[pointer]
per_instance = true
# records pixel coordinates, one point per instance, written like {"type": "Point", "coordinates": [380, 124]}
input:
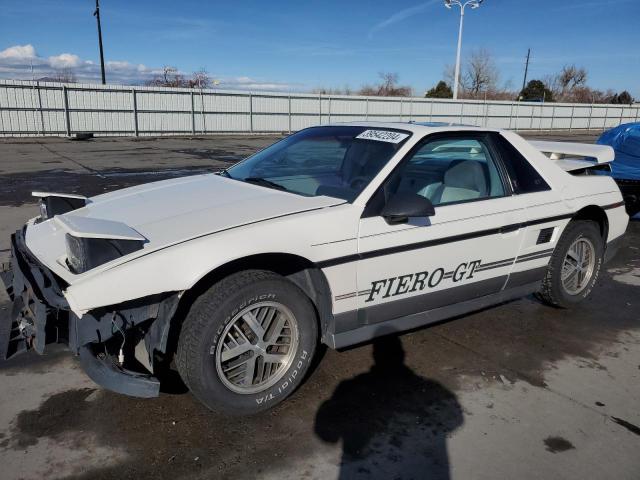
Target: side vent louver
{"type": "Point", "coordinates": [545, 235]}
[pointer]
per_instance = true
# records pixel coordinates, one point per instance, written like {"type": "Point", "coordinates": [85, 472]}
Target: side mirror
{"type": "Point", "coordinates": [403, 206]}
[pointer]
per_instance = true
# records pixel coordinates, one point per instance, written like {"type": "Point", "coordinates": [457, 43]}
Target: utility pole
{"type": "Point", "coordinates": [97, 15]}
{"type": "Point", "coordinates": [526, 69]}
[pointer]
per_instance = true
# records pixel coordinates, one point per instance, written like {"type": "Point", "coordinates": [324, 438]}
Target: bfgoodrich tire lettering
{"type": "Point", "coordinates": [555, 289]}
{"type": "Point", "coordinates": [205, 334]}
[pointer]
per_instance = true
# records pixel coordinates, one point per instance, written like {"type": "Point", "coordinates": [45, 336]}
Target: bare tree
{"type": "Point", "coordinates": [200, 79]}
{"type": "Point", "coordinates": [570, 78]}
{"type": "Point", "coordinates": [332, 91]}
{"type": "Point", "coordinates": [63, 75]}
{"type": "Point", "coordinates": [170, 77]}
{"type": "Point", "coordinates": [481, 74]}
{"type": "Point", "coordinates": [388, 87]}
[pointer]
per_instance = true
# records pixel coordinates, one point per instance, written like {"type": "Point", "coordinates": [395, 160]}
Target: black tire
{"type": "Point", "coordinates": [553, 291]}
{"type": "Point", "coordinates": [205, 324]}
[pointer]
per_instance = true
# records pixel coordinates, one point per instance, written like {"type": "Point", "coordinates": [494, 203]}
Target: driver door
{"type": "Point", "coordinates": [464, 251]}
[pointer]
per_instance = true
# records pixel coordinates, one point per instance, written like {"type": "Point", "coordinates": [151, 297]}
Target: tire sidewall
{"type": "Point", "coordinates": [591, 232]}
{"type": "Point", "coordinates": [211, 390]}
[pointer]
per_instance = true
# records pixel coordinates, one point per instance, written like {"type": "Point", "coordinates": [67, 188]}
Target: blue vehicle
{"type": "Point", "coordinates": [625, 169]}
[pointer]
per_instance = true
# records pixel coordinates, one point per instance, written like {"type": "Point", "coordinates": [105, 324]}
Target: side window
{"type": "Point", "coordinates": [524, 178]}
{"type": "Point", "coordinates": [449, 171]}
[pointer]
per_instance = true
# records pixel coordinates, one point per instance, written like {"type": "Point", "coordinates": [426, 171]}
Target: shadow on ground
{"type": "Point", "coordinates": [392, 423]}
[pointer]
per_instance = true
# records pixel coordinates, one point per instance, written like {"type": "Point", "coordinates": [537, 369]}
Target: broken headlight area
{"type": "Point", "coordinates": [83, 254]}
{"type": "Point", "coordinates": [52, 205]}
{"type": "Point", "coordinates": [122, 347]}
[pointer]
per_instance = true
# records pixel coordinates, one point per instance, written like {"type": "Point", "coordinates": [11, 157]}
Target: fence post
{"type": "Point", "coordinates": [590, 115]}
{"type": "Point", "coordinates": [67, 121]}
{"type": "Point", "coordinates": [531, 122]}
{"type": "Point", "coordinates": [571, 118]}
{"type": "Point", "coordinates": [204, 122]}
{"type": "Point", "coordinates": [606, 113]}
{"type": "Point", "coordinates": [431, 111]}
{"type": "Point", "coordinates": [637, 110]}
{"type": "Point", "coordinates": [486, 109]}
{"type": "Point", "coordinates": [40, 108]}
{"type": "Point", "coordinates": [193, 114]}
{"type": "Point", "coordinates": [250, 112]}
{"type": "Point", "coordinates": [366, 114]}
{"type": "Point", "coordinates": [553, 115]}
{"type": "Point", "coordinates": [320, 109]}
{"type": "Point", "coordinates": [511, 115]}
{"type": "Point", "coordinates": [411, 111]}
{"type": "Point", "coordinates": [621, 114]}
{"type": "Point", "coordinates": [401, 108]}
{"type": "Point", "coordinates": [134, 104]}
{"type": "Point", "coordinates": [289, 113]}
{"type": "Point", "coordinates": [461, 110]}
{"type": "Point", "coordinates": [329, 112]}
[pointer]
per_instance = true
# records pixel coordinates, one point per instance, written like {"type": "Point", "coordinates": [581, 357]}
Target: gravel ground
{"type": "Point", "coordinates": [517, 391]}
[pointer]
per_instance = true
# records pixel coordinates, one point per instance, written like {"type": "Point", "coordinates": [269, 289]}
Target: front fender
{"type": "Point", "coordinates": [179, 267]}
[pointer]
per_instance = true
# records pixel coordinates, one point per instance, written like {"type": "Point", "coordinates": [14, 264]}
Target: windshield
{"type": "Point", "coordinates": [337, 161]}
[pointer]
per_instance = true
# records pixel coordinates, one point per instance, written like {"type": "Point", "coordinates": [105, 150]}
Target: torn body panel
{"type": "Point", "coordinates": [41, 315]}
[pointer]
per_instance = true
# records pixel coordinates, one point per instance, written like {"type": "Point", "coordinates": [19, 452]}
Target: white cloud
{"type": "Point", "coordinates": [248, 83]}
{"type": "Point", "coordinates": [402, 15]}
{"type": "Point", "coordinates": [23, 62]}
{"type": "Point", "coordinates": [18, 52]}
{"type": "Point", "coordinates": [64, 60]}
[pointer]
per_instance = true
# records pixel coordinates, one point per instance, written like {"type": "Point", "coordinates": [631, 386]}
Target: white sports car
{"type": "Point", "coordinates": [336, 234]}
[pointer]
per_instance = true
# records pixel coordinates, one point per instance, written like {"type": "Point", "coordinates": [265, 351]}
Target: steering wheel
{"type": "Point", "coordinates": [357, 183]}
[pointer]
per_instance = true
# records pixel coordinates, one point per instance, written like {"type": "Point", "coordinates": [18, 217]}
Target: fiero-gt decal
{"type": "Point", "coordinates": [425, 280]}
{"type": "Point", "coordinates": [416, 282]}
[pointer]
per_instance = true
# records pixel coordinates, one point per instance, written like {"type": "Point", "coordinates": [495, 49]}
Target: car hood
{"type": "Point", "coordinates": [173, 211]}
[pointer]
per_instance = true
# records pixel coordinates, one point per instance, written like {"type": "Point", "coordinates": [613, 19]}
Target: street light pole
{"type": "Point", "coordinates": [97, 15]}
{"type": "Point", "coordinates": [473, 4]}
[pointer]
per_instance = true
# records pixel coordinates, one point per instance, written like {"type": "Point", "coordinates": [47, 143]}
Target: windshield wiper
{"type": "Point", "coordinates": [224, 173]}
{"type": "Point", "coordinates": [265, 183]}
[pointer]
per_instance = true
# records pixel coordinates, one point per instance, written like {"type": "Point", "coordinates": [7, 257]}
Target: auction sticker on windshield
{"type": "Point", "coordinates": [383, 136]}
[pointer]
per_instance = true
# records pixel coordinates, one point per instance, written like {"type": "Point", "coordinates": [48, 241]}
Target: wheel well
{"type": "Point", "coordinates": [596, 214]}
{"type": "Point", "coordinates": [299, 270]}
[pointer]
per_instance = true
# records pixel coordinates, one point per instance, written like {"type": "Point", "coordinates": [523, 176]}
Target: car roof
{"type": "Point", "coordinates": [419, 128]}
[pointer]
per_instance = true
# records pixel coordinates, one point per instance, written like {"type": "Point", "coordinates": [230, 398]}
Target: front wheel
{"type": "Point", "coordinates": [247, 342]}
{"type": "Point", "coordinates": [575, 264]}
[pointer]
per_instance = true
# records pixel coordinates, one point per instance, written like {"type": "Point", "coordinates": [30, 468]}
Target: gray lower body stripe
{"type": "Point", "coordinates": [533, 257]}
{"type": "Point", "coordinates": [534, 254]}
{"type": "Point", "coordinates": [345, 296]}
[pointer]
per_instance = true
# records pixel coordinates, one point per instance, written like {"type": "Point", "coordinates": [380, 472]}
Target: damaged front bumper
{"type": "Point", "coordinates": [137, 330]}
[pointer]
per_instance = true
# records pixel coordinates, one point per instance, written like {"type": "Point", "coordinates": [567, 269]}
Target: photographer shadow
{"type": "Point", "coordinates": [392, 422]}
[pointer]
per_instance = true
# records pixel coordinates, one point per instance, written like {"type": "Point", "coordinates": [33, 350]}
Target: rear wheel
{"type": "Point", "coordinates": [575, 264]}
{"type": "Point", "coordinates": [247, 342]}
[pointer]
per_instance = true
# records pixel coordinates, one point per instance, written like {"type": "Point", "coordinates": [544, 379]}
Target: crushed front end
{"type": "Point", "coordinates": [119, 346]}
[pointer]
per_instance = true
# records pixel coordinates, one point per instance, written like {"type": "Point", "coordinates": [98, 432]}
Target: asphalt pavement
{"type": "Point", "coordinates": [521, 390]}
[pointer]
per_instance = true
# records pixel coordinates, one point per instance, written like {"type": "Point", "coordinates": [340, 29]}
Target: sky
{"type": "Point", "coordinates": [303, 45]}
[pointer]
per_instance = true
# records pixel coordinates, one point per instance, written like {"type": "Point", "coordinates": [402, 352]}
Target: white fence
{"type": "Point", "coordinates": [32, 108]}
